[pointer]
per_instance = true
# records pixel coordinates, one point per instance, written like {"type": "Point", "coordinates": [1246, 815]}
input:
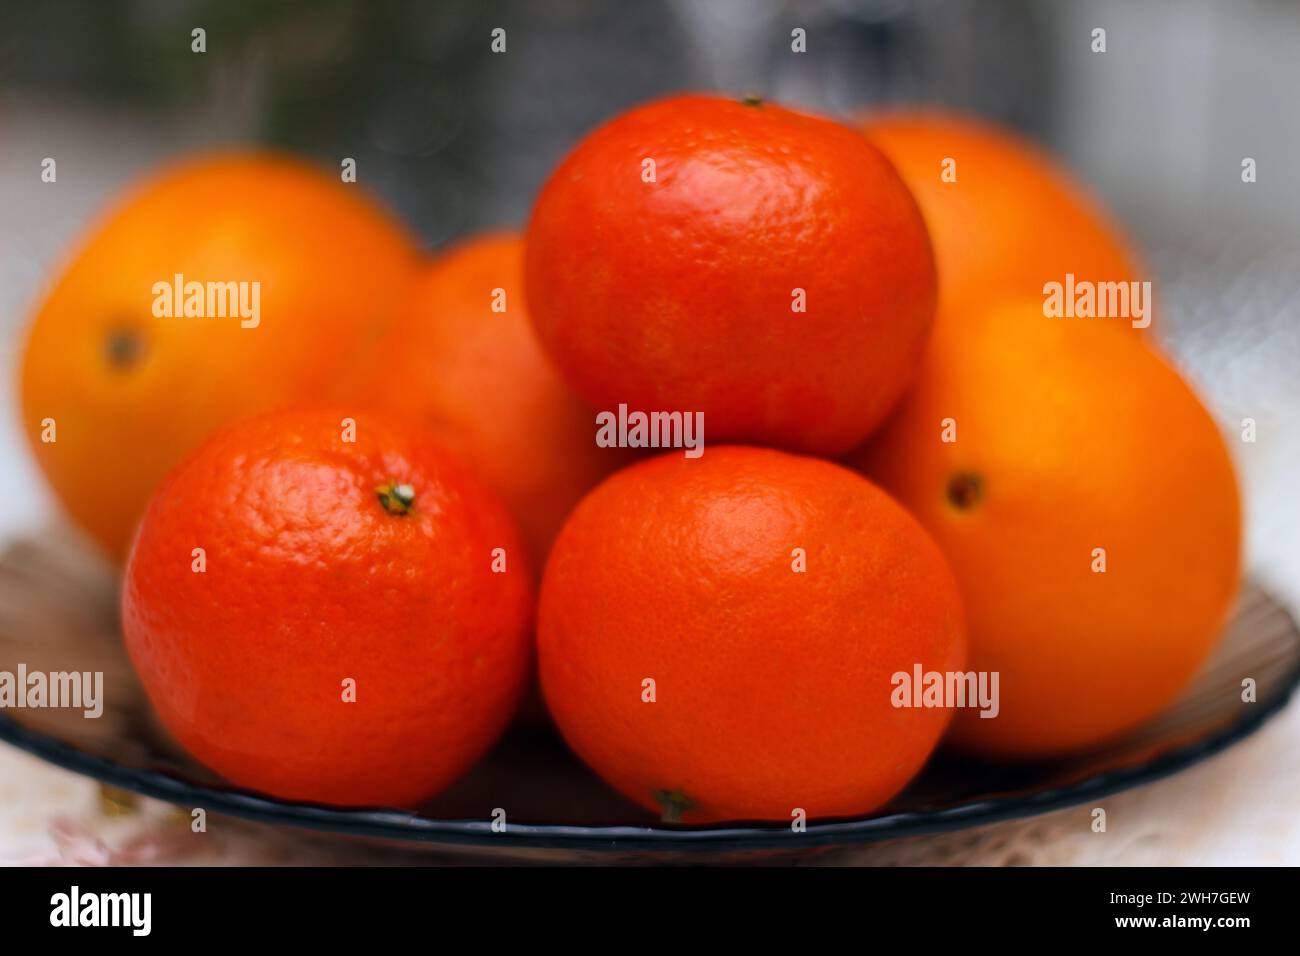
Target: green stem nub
{"type": "Point", "coordinates": [396, 499]}
{"type": "Point", "coordinates": [751, 99]}
{"type": "Point", "coordinates": [674, 804]}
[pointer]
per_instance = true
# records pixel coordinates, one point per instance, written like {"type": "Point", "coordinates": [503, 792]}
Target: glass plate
{"type": "Point", "coordinates": [58, 612]}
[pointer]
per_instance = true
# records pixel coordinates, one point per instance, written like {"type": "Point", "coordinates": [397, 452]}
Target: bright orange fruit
{"type": "Point", "coordinates": [329, 565]}
{"type": "Point", "coordinates": [1011, 221]}
{"type": "Point", "coordinates": [462, 357]}
{"type": "Point", "coordinates": [718, 637]}
{"type": "Point", "coordinates": [1089, 509]}
{"type": "Point", "coordinates": [125, 392]}
{"type": "Point", "coordinates": [767, 268]}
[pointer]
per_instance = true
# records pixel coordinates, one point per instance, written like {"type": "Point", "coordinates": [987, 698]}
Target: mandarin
{"type": "Point", "coordinates": [349, 632]}
{"type": "Point", "coordinates": [125, 392]}
{"type": "Point", "coordinates": [718, 637]}
{"type": "Point", "coordinates": [1089, 509]}
{"type": "Point", "coordinates": [462, 357]}
{"type": "Point", "coordinates": [1010, 221]}
{"type": "Point", "coordinates": [765, 267]}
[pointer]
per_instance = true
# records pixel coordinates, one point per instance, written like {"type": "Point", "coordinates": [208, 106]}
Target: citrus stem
{"type": "Point", "coordinates": [396, 498]}
{"type": "Point", "coordinates": [674, 804]}
{"type": "Point", "coordinates": [123, 347]}
{"type": "Point", "coordinates": [965, 489]}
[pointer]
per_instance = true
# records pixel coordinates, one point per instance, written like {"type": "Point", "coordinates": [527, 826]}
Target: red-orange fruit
{"type": "Point", "coordinates": [462, 358]}
{"type": "Point", "coordinates": [329, 620]}
{"type": "Point", "coordinates": [719, 638]}
{"type": "Point", "coordinates": [765, 267]}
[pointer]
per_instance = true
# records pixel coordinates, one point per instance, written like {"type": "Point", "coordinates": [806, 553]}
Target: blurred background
{"type": "Point", "coordinates": [457, 138]}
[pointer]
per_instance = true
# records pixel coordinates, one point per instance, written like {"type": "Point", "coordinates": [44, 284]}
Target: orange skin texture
{"type": "Point", "coordinates": [480, 379]}
{"type": "Point", "coordinates": [1080, 441]}
{"type": "Point", "coordinates": [677, 295]}
{"type": "Point", "coordinates": [772, 687]}
{"type": "Point", "coordinates": [1013, 220]}
{"type": "Point", "coordinates": [309, 581]}
{"type": "Point", "coordinates": [332, 268]}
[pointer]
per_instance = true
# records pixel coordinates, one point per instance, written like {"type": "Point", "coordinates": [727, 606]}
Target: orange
{"type": "Point", "coordinates": [462, 357]}
{"type": "Point", "coordinates": [1089, 510]}
{"type": "Point", "coordinates": [764, 267]}
{"type": "Point", "coordinates": [329, 566]}
{"type": "Point", "coordinates": [125, 392]}
{"type": "Point", "coordinates": [1011, 221]}
{"type": "Point", "coordinates": [718, 637]}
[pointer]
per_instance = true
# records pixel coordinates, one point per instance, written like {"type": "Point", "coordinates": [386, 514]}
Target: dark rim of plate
{"type": "Point", "coordinates": [388, 824]}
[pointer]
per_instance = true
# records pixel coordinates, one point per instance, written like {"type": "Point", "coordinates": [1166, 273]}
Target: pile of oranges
{"type": "Point", "coordinates": [359, 527]}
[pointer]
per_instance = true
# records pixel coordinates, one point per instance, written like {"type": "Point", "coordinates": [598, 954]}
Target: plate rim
{"type": "Point", "coordinates": [405, 826]}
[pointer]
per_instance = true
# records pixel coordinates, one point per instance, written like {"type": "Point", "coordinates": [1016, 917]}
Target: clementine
{"type": "Point", "coordinates": [328, 619]}
{"type": "Point", "coordinates": [462, 357]}
{"type": "Point", "coordinates": [223, 286]}
{"type": "Point", "coordinates": [1005, 218]}
{"type": "Point", "coordinates": [718, 638]}
{"type": "Point", "coordinates": [764, 267]}
{"type": "Point", "coordinates": [1089, 509]}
